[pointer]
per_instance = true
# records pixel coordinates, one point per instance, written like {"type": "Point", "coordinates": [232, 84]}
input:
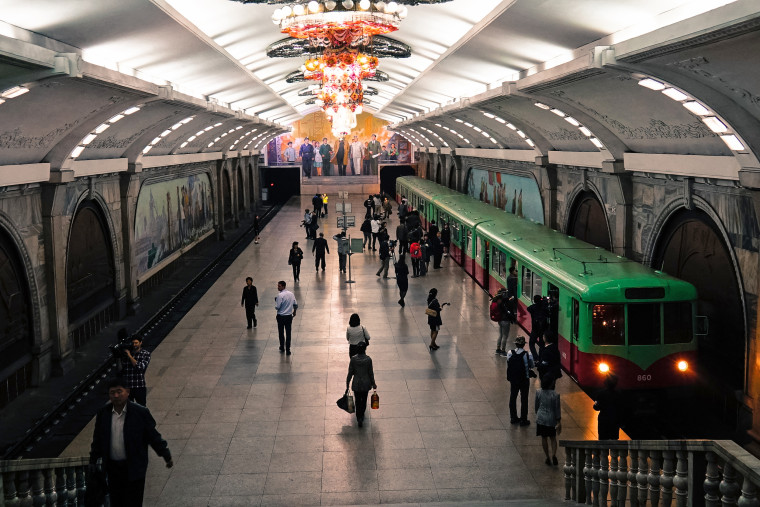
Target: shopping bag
{"type": "Point", "coordinates": [346, 402]}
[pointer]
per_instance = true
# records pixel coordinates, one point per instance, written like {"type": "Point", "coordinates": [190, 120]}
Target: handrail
{"type": "Point", "coordinates": [45, 481]}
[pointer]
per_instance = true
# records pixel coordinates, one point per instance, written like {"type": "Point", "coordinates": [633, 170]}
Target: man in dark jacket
{"type": "Point", "coordinates": [368, 205]}
{"type": "Point", "coordinates": [320, 247]}
{"type": "Point", "coordinates": [402, 236]}
{"type": "Point", "coordinates": [250, 301]}
{"type": "Point", "coordinates": [436, 249]}
{"type": "Point", "coordinates": [316, 203]}
{"type": "Point", "coordinates": [385, 258]}
{"type": "Point", "coordinates": [123, 432]}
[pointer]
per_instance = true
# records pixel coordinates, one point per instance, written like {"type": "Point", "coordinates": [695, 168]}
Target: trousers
{"type": "Point", "coordinates": [501, 343]}
{"type": "Point", "coordinates": [284, 325]}
{"type": "Point", "coordinates": [522, 387]}
{"type": "Point", "coordinates": [250, 315]}
{"type": "Point", "coordinates": [317, 259]}
{"type": "Point", "coordinates": [125, 493]}
{"type": "Point", "coordinates": [384, 267]}
{"type": "Point", "coordinates": [360, 401]}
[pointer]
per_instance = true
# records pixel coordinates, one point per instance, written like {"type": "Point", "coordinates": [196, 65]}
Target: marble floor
{"type": "Point", "coordinates": [248, 425]}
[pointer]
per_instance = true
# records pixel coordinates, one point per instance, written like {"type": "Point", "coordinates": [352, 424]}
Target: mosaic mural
{"type": "Point", "coordinates": [171, 215]}
{"type": "Point", "coordinates": [515, 194]}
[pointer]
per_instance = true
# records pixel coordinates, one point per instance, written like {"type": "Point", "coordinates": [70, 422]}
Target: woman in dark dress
{"type": "Point", "coordinates": [360, 369]}
{"type": "Point", "coordinates": [294, 259]}
{"type": "Point", "coordinates": [609, 406]}
{"type": "Point", "coordinates": [402, 278]}
{"type": "Point", "coordinates": [435, 323]}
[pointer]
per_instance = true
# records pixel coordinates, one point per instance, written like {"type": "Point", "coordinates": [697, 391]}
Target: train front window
{"type": "Point", "coordinates": [644, 324]}
{"type": "Point", "coordinates": [608, 325]}
{"type": "Point", "coordinates": [678, 328]}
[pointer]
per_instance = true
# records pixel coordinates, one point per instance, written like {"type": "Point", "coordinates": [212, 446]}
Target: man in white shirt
{"type": "Point", "coordinates": [286, 305]}
{"type": "Point", "coordinates": [356, 152]}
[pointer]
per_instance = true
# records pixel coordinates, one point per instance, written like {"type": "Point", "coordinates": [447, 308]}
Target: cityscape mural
{"type": "Point", "coordinates": [171, 215]}
{"type": "Point", "coordinates": [514, 194]}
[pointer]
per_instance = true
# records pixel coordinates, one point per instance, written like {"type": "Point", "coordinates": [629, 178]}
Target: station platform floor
{"type": "Point", "coordinates": [248, 425]}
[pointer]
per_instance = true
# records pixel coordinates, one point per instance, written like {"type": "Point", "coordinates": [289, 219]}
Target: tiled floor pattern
{"type": "Point", "coordinates": [248, 425]}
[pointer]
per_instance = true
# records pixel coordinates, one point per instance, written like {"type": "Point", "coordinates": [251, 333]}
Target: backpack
{"type": "Point", "coordinates": [516, 367]}
{"type": "Point", "coordinates": [495, 310]}
{"type": "Point", "coordinates": [415, 251]}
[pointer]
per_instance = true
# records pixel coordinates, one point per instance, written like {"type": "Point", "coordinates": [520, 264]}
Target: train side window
{"type": "Point", "coordinates": [499, 262]}
{"type": "Point", "coordinates": [576, 317]}
{"type": "Point", "coordinates": [678, 323]}
{"type": "Point", "coordinates": [479, 247]}
{"type": "Point", "coordinates": [537, 284]}
{"type": "Point", "coordinates": [527, 283]}
{"type": "Point", "coordinates": [644, 324]}
{"type": "Point", "coordinates": [608, 325]}
{"type": "Point", "coordinates": [467, 243]}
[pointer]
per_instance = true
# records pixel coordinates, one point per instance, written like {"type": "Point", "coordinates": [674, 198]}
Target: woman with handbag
{"type": "Point", "coordinates": [433, 312]}
{"type": "Point", "coordinates": [295, 256]}
{"type": "Point", "coordinates": [360, 369]}
{"type": "Point", "coordinates": [356, 335]}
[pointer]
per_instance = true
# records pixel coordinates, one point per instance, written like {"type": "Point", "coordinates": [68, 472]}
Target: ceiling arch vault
{"type": "Point", "coordinates": [631, 85]}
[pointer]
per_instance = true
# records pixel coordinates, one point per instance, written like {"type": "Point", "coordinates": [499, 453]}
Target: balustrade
{"type": "Point", "coordinates": [655, 473]}
{"type": "Point", "coordinates": [43, 482]}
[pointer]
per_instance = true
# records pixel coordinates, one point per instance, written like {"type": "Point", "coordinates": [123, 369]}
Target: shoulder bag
{"type": "Point", "coordinates": [431, 312]}
{"type": "Point", "coordinates": [366, 340]}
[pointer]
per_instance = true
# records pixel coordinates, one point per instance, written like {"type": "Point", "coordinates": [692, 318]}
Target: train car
{"type": "Point", "coordinates": [611, 314]}
{"type": "Point", "coordinates": [420, 196]}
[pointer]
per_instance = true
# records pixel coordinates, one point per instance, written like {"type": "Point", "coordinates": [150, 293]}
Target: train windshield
{"type": "Point", "coordinates": [644, 324]}
{"type": "Point", "coordinates": [608, 325]}
{"type": "Point", "coordinates": [678, 322]}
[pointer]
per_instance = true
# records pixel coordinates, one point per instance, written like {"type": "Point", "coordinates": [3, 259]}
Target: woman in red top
{"type": "Point", "coordinates": [415, 252]}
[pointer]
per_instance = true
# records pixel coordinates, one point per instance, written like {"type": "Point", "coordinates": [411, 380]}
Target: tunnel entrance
{"type": "Point", "coordinates": [90, 284]}
{"type": "Point", "coordinates": [388, 175]}
{"type": "Point", "coordinates": [692, 249]}
{"type": "Point", "coordinates": [15, 324]}
{"type": "Point", "coordinates": [588, 221]}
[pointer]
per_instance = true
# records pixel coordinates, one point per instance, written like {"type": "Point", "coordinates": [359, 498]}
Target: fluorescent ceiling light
{"type": "Point", "coordinates": [715, 124]}
{"type": "Point", "coordinates": [77, 151]}
{"type": "Point", "coordinates": [131, 110]}
{"type": "Point", "coordinates": [176, 126]}
{"type": "Point", "coordinates": [558, 113]}
{"type": "Point", "coordinates": [147, 149]}
{"type": "Point", "coordinates": [509, 125]}
{"type": "Point", "coordinates": [531, 143]}
{"type": "Point", "coordinates": [116, 118]}
{"type": "Point", "coordinates": [572, 121]}
{"type": "Point", "coordinates": [90, 138]}
{"type": "Point", "coordinates": [696, 108]}
{"type": "Point", "coordinates": [652, 84]}
{"type": "Point", "coordinates": [12, 93]}
{"type": "Point", "coordinates": [586, 132]}
{"type": "Point", "coordinates": [155, 140]}
{"type": "Point", "coordinates": [183, 144]}
{"type": "Point", "coordinates": [2, 101]}
{"type": "Point", "coordinates": [217, 124]}
{"type": "Point", "coordinates": [596, 142]}
{"type": "Point", "coordinates": [542, 106]}
{"type": "Point", "coordinates": [733, 142]}
{"type": "Point", "coordinates": [521, 134]}
{"type": "Point", "coordinates": [102, 127]}
{"type": "Point", "coordinates": [458, 120]}
{"type": "Point", "coordinates": [500, 120]}
{"type": "Point", "coordinates": [489, 115]}
{"type": "Point", "coordinates": [191, 138]}
{"type": "Point", "coordinates": [166, 133]}
{"type": "Point", "coordinates": [675, 94]}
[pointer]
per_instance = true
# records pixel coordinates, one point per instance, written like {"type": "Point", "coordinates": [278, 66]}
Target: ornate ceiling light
{"type": "Point", "coordinates": [381, 47]}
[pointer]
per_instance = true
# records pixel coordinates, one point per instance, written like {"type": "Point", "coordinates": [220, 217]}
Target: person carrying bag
{"type": "Point", "coordinates": [356, 335]}
{"type": "Point", "coordinates": [360, 370]}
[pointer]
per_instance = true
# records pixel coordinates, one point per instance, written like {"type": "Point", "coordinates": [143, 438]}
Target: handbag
{"type": "Point", "coordinates": [366, 340]}
{"type": "Point", "coordinates": [346, 402]}
{"type": "Point", "coordinates": [431, 312]}
{"type": "Point", "coordinates": [375, 401]}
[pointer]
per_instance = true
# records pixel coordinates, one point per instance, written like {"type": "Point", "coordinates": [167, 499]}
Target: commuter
{"type": "Point", "coordinates": [382, 234]}
{"type": "Point", "coordinates": [316, 203]}
{"type": "Point", "coordinates": [375, 227]}
{"type": "Point", "coordinates": [306, 223]}
{"type": "Point", "coordinates": [377, 207]}
{"type": "Point", "coordinates": [387, 208]}
{"type": "Point", "coordinates": [436, 249]}
{"type": "Point", "coordinates": [286, 305]}
{"type": "Point", "coordinates": [326, 152]}
{"type": "Point", "coordinates": [426, 252]}
{"type": "Point", "coordinates": [320, 247]}
{"type": "Point", "coordinates": [434, 321]}
{"type": "Point", "coordinates": [360, 369]}
{"type": "Point", "coordinates": [415, 251]}
{"type": "Point", "coordinates": [446, 239]}
{"type": "Point", "coordinates": [356, 335]}
{"type": "Point", "coordinates": [306, 152]}
{"type": "Point", "coordinates": [250, 301]}
{"type": "Point", "coordinates": [366, 229]}
{"type": "Point", "coordinates": [317, 159]}
{"type": "Point", "coordinates": [552, 315]}
{"type": "Point", "coordinates": [504, 320]}
{"type": "Point", "coordinates": [324, 205]}
{"type": "Point", "coordinates": [385, 258]}
{"type": "Point", "coordinates": [608, 403]}
{"type": "Point", "coordinates": [123, 432]}
{"type": "Point", "coordinates": [403, 208]}
{"type": "Point", "coordinates": [537, 313]}
{"type": "Point", "coordinates": [549, 360]}
{"type": "Point", "coordinates": [432, 229]}
{"type": "Point", "coordinates": [314, 225]}
{"type": "Point", "coordinates": [341, 156]}
{"type": "Point", "coordinates": [134, 362]}
{"type": "Point", "coordinates": [343, 248]}
{"type": "Point", "coordinates": [402, 236]}
{"type": "Point", "coordinates": [368, 205]}
{"type": "Point", "coordinates": [256, 229]}
{"type": "Point", "coordinates": [519, 372]}
{"type": "Point", "coordinates": [290, 153]}
{"type": "Point", "coordinates": [512, 292]}
{"type": "Point", "coordinates": [402, 278]}
{"type": "Point", "coordinates": [295, 256]}
{"type": "Point", "coordinates": [548, 418]}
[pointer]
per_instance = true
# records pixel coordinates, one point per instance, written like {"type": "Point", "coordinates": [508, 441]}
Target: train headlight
{"type": "Point", "coordinates": [603, 368]}
{"type": "Point", "coordinates": [682, 366]}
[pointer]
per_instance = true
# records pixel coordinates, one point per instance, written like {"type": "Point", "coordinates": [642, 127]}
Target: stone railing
{"type": "Point", "coordinates": [37, 482]}
{"type": "Point", "coordinates": [657, 472]}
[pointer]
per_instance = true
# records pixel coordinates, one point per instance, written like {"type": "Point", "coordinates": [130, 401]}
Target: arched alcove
{"type": "Point", "coordinates": [588, 221]}
{"type": "Point", "coordinates": [90, 280]}
{"type": "Point", "coordinates": [240, 190]}
{"type": "Point", "coordinates": [251, 193]}
{"type": "Point", "coordinates": [16, 327]}
{"type": "Point", "coordinates": [691, 247]}
{"type": "Point", "coordinates": [453, 177]}
{"type": "Point", "coordinates": [439, 173]}
{"type": "Point", "coordinates": [226, 196]}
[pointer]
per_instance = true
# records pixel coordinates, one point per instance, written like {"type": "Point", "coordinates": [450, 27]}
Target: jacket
{"type": "Point", "coordinates": [139, 432]}
{"type": "Point", "coordinates": [402, 233]}
{"type": "Point", "coordinates": [547, 407]}
{"type": "Point", "coordinates": [356, 335]}
{"type": "Point", "coordinates": [295, 256]}
{"type": "Point", "coordinates": [344, 159]}
{"type": "Point", "coordinates": [320, 245]}
{"type": "Point", "coordinates": [384, 250]}
{"type": "Point", "coordinates": [250, 297]}
{"type": "Point", "coordinates": [435, 321]}
{"type": "Point", "coordinates": [360, 368]}
{"type": "Point", "coordinates": [343, 246]}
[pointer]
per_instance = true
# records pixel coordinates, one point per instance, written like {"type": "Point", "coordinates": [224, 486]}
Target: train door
{"type": "Point", "coordinates": [553, 309]}
{"type": "Point", "coordinates": [486, 264]}
{"type": "Point", "coordinates": [574, 337]}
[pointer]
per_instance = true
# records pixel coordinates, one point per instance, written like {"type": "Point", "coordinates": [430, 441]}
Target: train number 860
{"type": "Point", "coordinates": [643, 378]}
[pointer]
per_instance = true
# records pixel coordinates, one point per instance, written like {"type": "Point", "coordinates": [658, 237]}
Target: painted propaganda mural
{"type": "Point", "coordinates": [170, 215]}
{"type": "Point", "coordinates": [515, 194]}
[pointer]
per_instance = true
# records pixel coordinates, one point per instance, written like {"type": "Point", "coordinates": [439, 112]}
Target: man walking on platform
{"type": "Point", "coordinates": [286, 305]}
{"type": "Point", "coordinates": [123, 432]}
{"type": "Point", "coordinates": [519, 370]}
{"type": "Point", "coordinates": [343, 248]}
{"type": "Point", "coordinates": [320, 247]}
{"type": "Point", "coordinates": [250, 301]}
{"type": "Point", "coordinates": [307, 157]}
{"type": "Point", "coordinates": [134, 363]}
{"type": "Point", "coordinates": [374, 150]}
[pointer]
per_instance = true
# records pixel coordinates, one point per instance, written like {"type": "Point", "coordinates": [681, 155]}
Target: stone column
{"type": "Point", "coordinates": [256, 175]}
{"type": "Point", "coordinates": [220, 164]}
{"type": "Point", "coordinates": [548, 186]}
{"type": "Point", "coordinates": [129, 187]}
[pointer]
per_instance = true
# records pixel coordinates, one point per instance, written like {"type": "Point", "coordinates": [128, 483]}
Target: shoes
{"type": "Point", "coordinates": [323, 269]}
{"type": "Point", "coordinates": [254, 323]}
{"type": "Point", "coordinates": [361, 423]}
{"type": "Point", "coordinates": [316, 269]}
{"type": "Point", "coordinates": [514, 421]}
{"type": "Point", "coordinates": [431, 348]}
{"type": "Point", "coordinates": [249, 327]}
{"type": "Point", "coordinates": [548, 461]}
{"type": "Point", "coordinates": [282, 349]}
{"type": "Point", "coordinates": [401, 302]}
{"type": "Point", "coordinates": [524, 422]}
{"type": "Point", "coordinates": [503, 353]}
{"type": "Point", "coordinates": [288, 353]}
{"type": "Point", "coordinates": [386, 277]}
{"type": "Point", "coordinates": [498, 352]}
{"type": "Point", "coordinates": [378, 274]}
{"type": "Point", "coordinates": [554, 461]}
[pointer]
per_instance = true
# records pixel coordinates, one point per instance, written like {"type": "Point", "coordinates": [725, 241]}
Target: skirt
{"type": "Point", "coordinates": [545, 431]}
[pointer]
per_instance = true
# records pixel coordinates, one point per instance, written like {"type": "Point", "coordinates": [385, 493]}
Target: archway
{"type": "Point", "coordinates": [251, 192]}
{"type": "Point", "coordinates": [427, 168]}
{"type": "Point", "coordinates": [16, 331]}
{"type": "Point", "coordinates": [691, 247]}
{"type": "Point", "coordinates": [226, 196]}
{"type": "Point", "coordinates": [588, 221]}
{"type": "Point", "coordinates": [439, 173]}
{"type": "Point", "coordinates": [453, 177]}
{"type": "Point", "coordinates": [241, 190]}
{"type": "Point", "coordinates": [90, 281]}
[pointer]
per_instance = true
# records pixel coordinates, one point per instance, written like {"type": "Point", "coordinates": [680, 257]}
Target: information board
{"type": "Point", "coordinates": [343, 194]}
{"type": "Point", "coordinates": [342, 207]}
{"type": "Point", "coordinates": [347, 221]}
{"type": "Point", "coordinates": [357, 245]}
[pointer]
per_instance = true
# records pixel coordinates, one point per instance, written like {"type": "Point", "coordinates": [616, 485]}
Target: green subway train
{"type": "Point", "coordinates": [614, 315]}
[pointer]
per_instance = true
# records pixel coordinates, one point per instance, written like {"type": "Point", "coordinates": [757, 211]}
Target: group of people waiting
{"type": "Point", "coordinates": [318, 158]}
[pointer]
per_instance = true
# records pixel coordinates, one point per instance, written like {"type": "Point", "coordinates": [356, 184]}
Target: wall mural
{"type": "Point", "coordinates": [515, 194]}
{"type": "Point", "coordinates": [170, 215]}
